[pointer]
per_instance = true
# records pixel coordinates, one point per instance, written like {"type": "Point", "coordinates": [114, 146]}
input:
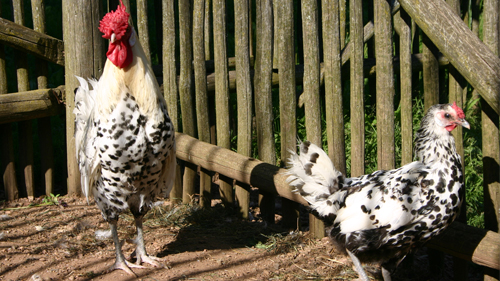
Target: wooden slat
{"type": "Point", "coordinates": [142, 27]}
{"type": "Point", "coordinates": [170, 83]}
{"type": "Point", "coordinates": [30, 41]}
{"type": "Point", "coordinates": [430, 72]}
{"type": "Point", "coordinates": [311, 86]}
{"type": "Point", "coordinates": [185, 92]}
{"type": "Point", "coordinates": [200, 78]}
{"type": "Point", "coordinates": [406, 75]}
{"type": "Point", "coordinates": [357, 84]}
{"type": "Point", "coordinates": [460, 45]}
{"type": "Point", "coordinates": [222, 90]}
{"type": "Point", "coordinates": [263, 96]}
{"type": "Point", "coordinates": [82, 59]}
{"type": "Point", "coordinates": [384, 85]}
{"type": "Point", "coordinates": [209, 42]}
{"type": "Point", "coordinates": [243, 94]}
{"type": "Point", "coordinates": [287, 95]}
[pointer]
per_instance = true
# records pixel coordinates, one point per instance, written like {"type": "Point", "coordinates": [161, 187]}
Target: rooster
{"type": "Point", "coordinates": [124, 137]}
{"type": "Point", "coordinates": [382, 216]}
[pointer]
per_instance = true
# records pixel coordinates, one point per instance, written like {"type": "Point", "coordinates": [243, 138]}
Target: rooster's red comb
{"type": "Point", "coordinates": [115, 22]}
{"type": "Point", "coordinates": [458, 110]}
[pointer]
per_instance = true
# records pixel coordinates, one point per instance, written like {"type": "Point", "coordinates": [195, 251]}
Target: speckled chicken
{"type": "Point", "coordinates": [382, 216]}
{"type": "Point", "coordinates": [124, 137]}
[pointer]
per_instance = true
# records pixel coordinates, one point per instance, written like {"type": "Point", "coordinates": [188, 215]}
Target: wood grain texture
{"type": "Point", "coordinates": [471, 57]}
{"type": "Point", "coordinates": [384, 85]}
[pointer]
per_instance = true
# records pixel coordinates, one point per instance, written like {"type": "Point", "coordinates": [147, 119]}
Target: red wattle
{"type": "Point", "coordinates": [451, 127]}
{"type": "Point", "coordinates": [120, 53]}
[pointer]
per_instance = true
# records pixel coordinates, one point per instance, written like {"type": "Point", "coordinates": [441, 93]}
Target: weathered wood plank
{"type": "Point", "coordinates": [357, 84]}
{"type": "Point", "coordinates": [142, 27]}
{"type": "Point", "coordinates": [473, 59]}
{"type": "Point", "coordinates": [185, 92]}
{"type": "Point", "coordinates": [406, 75]}
{"type": "Point", "coordinates": [243, 94]}
{"type": "Point", "coordinates": [29, 105]}
{"type": "Point", "coordinates": [82, 59]}
{"type": "Point", "coordinates": [30, 41]}
{"type": "Point", "coordinates": [170, 83]}
{"type": "Point", "coordinates": [200, 80]}
{"type": "Point", "coordinates": [287, 94]}
{"type": "Point", "coordinates": [222, 90]}
{"type": "Point", "coordinates": [384, 85]}
{"type": "Point", "coordinates": [311, 86]}
{"type": "Point", "coordinates": [263, 96]}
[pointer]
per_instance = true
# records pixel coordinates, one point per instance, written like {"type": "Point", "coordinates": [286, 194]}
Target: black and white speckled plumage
{"type": "Point", "coordinates": [383, 215]}
{"type": "Point", "coordinates": [125, 143]}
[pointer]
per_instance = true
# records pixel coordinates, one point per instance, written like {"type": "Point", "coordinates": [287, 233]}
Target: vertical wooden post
{"type": "Point", "coordinates": [287, 96]}
{"type": "Point", "coordinates": [406, 88]}
{"type": "Point", "coordinates": [142, 26]}
{"type": "Point", "coordinates": [357, 84]}
{"type": "Point", "coordinates": [170, 83]}
{"type": "Point", "coordinates": [44, 127]}
{"type": "Point", "coordinates": [264, 97]}
{"type": "Point", "coordinates": [384, 85]}
{"type": "Point", "coordinates": [311, 88]}
{"type": "Point", "coordinates": [334, 109]}
{"type": "Point", "coordinates": [222, 91]}
{"type": "Point", "coordinates": [490, 134]}
{"type": "Point", "coordinates": [430, 73]}
{"type": "Point", "coordinates": [342, 8]}
{"type": "Point", "coordinates": [244, 93]}
{"type": "Point", "coordinates": [208, 31]}
{"type": "Point", "coordinates": [83, 57]}
{"type": "Point", "coordinates": [7, 159]}
{"type": "Point", "coordinates": [25, 127]}
{"type": "Point", "coordinates": [185, 92]}
{"type": "Point", "coordinates": [200, 78]}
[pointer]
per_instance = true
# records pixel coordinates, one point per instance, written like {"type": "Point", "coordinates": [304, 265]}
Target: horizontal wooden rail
{"type": "Point", "coordinates": [466, 242]}
{"type": "Point", "coordinates": [28, 40]}
{"type": "Point", "coordinates": [30, 105]}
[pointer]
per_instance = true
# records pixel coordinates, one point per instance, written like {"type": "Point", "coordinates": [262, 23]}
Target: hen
{"type": "Point", "coordinates": [124, 137]}
{"type": "Point", "coordinates": [382, 216]}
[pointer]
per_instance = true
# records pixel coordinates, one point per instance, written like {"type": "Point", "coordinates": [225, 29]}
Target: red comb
{"type": "Point", "coordinates": [115, 22]}
{"type": "Point", "coordinates": [458, 110]}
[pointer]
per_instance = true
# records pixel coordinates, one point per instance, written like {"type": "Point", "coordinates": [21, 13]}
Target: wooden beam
{"type": "Point", "coordinates": [471, 57]}
{"type": "Point", "coordinates": [466, 242]}
{"type": "Point", "coordinates": [28, 40]}
{"type": "Point", "coordinates": [31, 104]}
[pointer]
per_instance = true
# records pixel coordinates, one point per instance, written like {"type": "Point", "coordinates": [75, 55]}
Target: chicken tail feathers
{"type": "Point", "coordinates": [312, 174]}
{"type": "Point", "coordinates": [85, 132]}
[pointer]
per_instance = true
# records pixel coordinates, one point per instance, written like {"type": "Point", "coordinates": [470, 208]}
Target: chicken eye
{"type": "Point", "coordinates": [447, 115]}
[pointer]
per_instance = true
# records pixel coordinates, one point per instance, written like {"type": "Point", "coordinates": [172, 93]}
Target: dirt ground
{"type": "Point", "coordinates": [39, 241]}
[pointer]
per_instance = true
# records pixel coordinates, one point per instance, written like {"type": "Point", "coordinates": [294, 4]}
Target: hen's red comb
{"type": "Point", "coordinates": [115, 22]}
{"type": "Point", "coordinates": [458, 110]}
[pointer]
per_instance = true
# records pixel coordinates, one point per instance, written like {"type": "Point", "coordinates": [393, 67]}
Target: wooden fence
{"type": "Point", "coordinates": [239, 73]}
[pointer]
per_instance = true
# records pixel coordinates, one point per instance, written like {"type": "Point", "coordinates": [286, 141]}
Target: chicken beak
{"type": "Point", "coordinates": [113, 38]}
{"type": "Point", "coordinates": [464, 123]}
